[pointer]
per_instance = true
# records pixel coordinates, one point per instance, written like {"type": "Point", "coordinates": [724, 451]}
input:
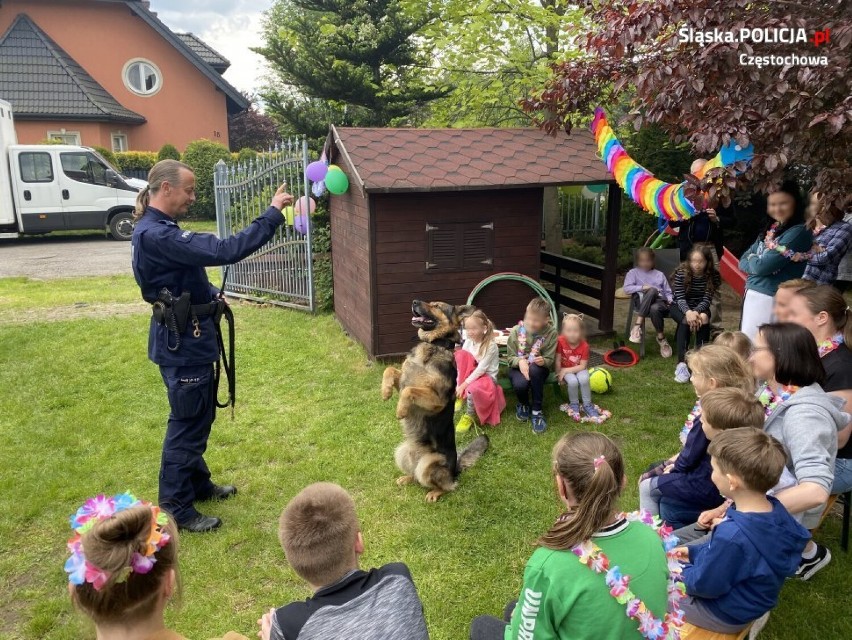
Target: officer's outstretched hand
{"type": "Point", "coordinates": [281, 198]}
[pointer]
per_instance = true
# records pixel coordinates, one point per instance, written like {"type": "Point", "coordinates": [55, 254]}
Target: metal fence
{"type": "Point", "coordinates": [281, 271]}
{"type": "Point", "coordinates": [582, 215]}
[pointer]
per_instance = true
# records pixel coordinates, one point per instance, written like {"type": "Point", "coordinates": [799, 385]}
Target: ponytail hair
{"type": "Point", "coordinates": [110, 545]}
{"type": "Point", "coordinates": [163, 171]}
{"type": "Point", "coordinates": [825, 298]}
{"type": "Point", "coordinates": [488, 337]}
{"type": "Point", "coordinates": [591, 466]}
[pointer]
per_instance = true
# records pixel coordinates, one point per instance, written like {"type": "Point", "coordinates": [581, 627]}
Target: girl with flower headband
{"type": "Point", "coordinates": [767, 263]}
{"type": "Point", "coordinates": [805, 419]}
{"type": "Point", "coordinates": [824, 312]}
{"type": "Point", "coordinates": [123, 568]}
{"type": "Point", "coordinates": [598, 573]}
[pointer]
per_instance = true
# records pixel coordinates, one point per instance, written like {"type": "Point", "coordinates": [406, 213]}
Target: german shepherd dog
{"type": "Point", "coordinates": [427, 393]}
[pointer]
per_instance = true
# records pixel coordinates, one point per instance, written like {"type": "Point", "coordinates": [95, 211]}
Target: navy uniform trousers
{"type": "Point", "coordinates": [164, 256]}
{"type": "Point", "coordinates": [184, 476]}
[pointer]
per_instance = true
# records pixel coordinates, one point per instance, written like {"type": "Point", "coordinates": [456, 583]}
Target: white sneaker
{"type": "Point", "coordinates": [757, 626]}
{"type": "Point", "coordinates": [665, 348]}
{"type": "Point", "coordinates": [636, 334]}
{"type": "Point", "coordinates": [682, 374]}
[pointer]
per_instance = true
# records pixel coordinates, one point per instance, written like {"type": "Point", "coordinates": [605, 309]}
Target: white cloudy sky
{"type": "Point", "coordinates": [229, 26]}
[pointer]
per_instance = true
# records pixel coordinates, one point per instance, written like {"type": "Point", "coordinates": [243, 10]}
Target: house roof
{"type": "Point", "coordinates": [236, 101]}
{"type": "Point", "coordinates": [205, 51]}
{"type": "Point", "coordinates": [396, 160]}
{"type": "Point", "coordinates": [41, 80]}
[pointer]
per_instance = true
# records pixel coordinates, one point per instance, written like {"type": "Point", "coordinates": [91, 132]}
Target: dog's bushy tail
{"type": "Point", "coordinates": [473, 452]}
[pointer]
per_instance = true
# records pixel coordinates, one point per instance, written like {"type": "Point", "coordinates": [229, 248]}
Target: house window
{"type": "Point", "coordinates": [36, 166]}
{"type": "Point", "coordinates": [460, 246]}
{"type": "Point", "coordinates": [119, 142]}
{"type": "Point", "coordinates": [83, 167]}
{"type": "Point", "coordinates": [65, 137]}
{"type": "Point", "coordinates": [142, 77]}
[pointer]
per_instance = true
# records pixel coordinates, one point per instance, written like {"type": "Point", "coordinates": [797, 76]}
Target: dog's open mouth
{"type": "Point", "coordinates": [420, 319]}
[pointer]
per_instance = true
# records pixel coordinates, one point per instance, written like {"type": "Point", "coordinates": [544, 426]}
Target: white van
{"type": "Point", "coordinates": [46, 188]}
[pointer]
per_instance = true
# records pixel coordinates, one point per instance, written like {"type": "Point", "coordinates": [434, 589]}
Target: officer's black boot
{"type": "Point", "coordinates": [200, 524]}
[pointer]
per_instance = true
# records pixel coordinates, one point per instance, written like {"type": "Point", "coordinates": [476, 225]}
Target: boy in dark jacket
{"type": "Point", "coordinates": [322, 541]}
{"type": "Point", "coordinates": [736, 576]}
{"type": "Point", "coordinates": [685, 490]}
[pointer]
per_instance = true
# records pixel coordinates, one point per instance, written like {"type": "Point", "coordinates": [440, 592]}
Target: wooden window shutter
{"type": "Point", "coordinates": [478, 246]}
{"type": "Point", "coordinates": [460, 246]}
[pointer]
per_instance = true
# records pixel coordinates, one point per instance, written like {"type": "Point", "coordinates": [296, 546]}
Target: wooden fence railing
{"type": "Point", "coordinates": [564, 276]}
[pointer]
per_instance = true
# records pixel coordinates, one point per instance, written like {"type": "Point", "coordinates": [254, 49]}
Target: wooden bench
{"type": "Point", "coordinates": [691, 632]}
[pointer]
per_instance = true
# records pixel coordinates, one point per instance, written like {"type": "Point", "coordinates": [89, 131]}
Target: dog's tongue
{"type": "Point", "coordinates": [418, 319]}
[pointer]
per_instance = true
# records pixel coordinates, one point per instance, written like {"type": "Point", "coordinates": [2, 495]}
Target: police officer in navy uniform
{"type": "Point", "coordinates": [169, 266]}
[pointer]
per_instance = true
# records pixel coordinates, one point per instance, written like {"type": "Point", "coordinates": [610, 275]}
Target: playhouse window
{"type": "Point", "coordinates": [460, 246]}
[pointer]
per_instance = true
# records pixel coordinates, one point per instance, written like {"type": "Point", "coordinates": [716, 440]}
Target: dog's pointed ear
{"type": "Point", "coordinates": [464, 310]}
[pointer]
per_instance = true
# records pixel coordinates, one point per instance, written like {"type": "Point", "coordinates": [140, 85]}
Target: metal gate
{"type": "Point", "coordinates": [281, 271]}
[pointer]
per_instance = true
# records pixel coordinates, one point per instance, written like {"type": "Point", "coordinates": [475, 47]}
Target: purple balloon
{"type": "Point", "coordinates": [301, 223]}
{"type": "Point", "coordinates": [316, 171]}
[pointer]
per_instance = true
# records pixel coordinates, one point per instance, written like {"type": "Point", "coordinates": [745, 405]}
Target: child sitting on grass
{"type": "Point", "coordinates": [597, 573]}
{"type": "Point", "coordinates": [532, 348]}
{"type": "Point", "coordinates": [478, 362]}
{"type": "Point", "coordinates": [655, 296]}
{"type": "Point", "coordinates": [572, 358]}
{"type": "Point", "coordinates": [694, 283]}
{"type": "Point", "coordinates": [321, 539]}
{"type": "Point", "coordinates": [681, 490]}
{"type": "Point", "coordinates": [736, 340]}
{"type": "Point", "coordinates": [736, 576]}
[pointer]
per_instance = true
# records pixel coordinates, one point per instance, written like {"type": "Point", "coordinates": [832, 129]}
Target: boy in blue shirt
{"type": "Point", "coordinates": [736, 576]}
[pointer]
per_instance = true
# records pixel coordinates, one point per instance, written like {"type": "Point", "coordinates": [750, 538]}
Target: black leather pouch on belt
{"type": "Point", "coordinates": [171, 311]}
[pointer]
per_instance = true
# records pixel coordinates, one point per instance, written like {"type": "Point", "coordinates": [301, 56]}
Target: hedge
{"type": "Point", "coordinates": [136, 160]}
{"type": "Point", "coordinates": [202, 156]}
{"type": "Point", "coordinates": [168, 152]}
{"type": "Point", "coordinates": [108, 155]}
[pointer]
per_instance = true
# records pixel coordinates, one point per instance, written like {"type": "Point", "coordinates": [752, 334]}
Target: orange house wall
{"type": "Point", "coordinates": [102, 37]}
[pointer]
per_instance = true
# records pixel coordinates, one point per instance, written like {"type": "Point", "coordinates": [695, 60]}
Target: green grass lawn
{"type": "Point", "coordinates": [83, 411]}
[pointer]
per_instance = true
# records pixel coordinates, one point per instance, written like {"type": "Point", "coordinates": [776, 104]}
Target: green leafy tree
{"type": "Point", "coordinates": [202, 156]}
{"type": "Point", "coordinates": [492, 54]}
{"type": "Point", "coordinates": [168, 152]}
{"type": "Point", "coordinates": [792, 100]}
{"type": "Point", "coordinates": [353, 61]}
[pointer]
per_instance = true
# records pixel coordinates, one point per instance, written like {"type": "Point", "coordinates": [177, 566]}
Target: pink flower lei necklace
{"type": "Point", "coordinates": [690, 421]}
{"type": "Point", "coordinates": [650, 627]}
{"type": "Point", "coordinates": [771, 244]}
{"type": "Point", "coordinates": [522, 344]}
{"type": "Point", "coordinates": [827, 346]}
{"type": "Point", "coordinates": [771, 400]}
{"type": "Point", "coordinates": [102, 508]}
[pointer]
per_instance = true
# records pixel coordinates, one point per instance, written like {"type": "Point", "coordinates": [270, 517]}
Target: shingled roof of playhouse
{"type": "Point", "coordinates": [387, 160]}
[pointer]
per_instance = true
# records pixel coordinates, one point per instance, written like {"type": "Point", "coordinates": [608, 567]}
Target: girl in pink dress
{"type": "Point", "coordinates": [477, 363]}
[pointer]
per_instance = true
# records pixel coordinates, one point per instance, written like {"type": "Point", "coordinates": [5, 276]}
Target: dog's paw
{"type": "Point", "coordinates": [387, 392]}
{"type": "Point", "coordinates": [404, 481]}
{"type": "Point", "coordinates": [401, 411]}
{"type": "Point", "coordinates": [434, 495]}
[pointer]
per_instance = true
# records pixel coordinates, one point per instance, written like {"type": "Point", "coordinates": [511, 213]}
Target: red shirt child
{"type": "Point", "coordinates": [571, 356]}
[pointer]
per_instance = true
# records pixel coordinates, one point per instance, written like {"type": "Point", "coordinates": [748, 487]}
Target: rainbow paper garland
{"type": "Point", "coordinates": [663, 199]}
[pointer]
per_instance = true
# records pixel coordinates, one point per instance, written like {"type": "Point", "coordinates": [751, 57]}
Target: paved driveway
{"type": "Point", "coordinates": [64, 256]}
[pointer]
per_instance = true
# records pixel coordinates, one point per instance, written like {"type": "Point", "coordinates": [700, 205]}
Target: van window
{"type": "Point", "coordinates": [36, 166]}
{"type": "Point", "coordinates": [83, 167]}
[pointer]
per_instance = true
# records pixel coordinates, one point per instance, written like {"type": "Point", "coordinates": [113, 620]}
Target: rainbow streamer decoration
{"type": "Point", "coordinates": [663, 199]}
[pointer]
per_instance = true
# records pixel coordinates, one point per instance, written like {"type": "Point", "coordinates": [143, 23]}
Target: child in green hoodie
{"type": "Point", "coordinates": [598, 574]}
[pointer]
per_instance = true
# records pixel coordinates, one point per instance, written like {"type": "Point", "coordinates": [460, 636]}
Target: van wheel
{"type": "Point", "coordinates": [121, 226]}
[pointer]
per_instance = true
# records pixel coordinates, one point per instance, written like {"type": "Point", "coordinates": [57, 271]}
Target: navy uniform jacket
{"type": "Point", "coordinates": [164, 255]}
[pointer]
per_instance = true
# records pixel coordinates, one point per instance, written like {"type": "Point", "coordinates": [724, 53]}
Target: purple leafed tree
{"type": "Point", "coordinates": [637, 52]}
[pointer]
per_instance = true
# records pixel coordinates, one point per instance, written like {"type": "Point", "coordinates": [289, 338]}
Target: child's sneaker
{"type": "Point", "coordinates": [809, 567]}
{"type": "Point", "coordinates": [682, 374]}
{"type": "Point", "coordinates": [458, 405]}
{"type": "Point", "coordinates": [575, 408]}
{"type": "Point", "coordinates": [636, 334]}
{"type": "Point", "coordinates": [591, 410]}
{"type": "Point", "coordinates": [665, 348]}
{"type": "Point", "coordinates": [522, 412]}
{"type": "Point", "coordinates": [465, 423]}
{"type": "Point", "coordinates": [539, 425]}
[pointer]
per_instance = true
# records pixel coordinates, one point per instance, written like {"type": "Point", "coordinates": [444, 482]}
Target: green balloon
{"type": "Point", "coordinates": [336, 181]}
{"type": "Point", "coordinates": [597, 188]}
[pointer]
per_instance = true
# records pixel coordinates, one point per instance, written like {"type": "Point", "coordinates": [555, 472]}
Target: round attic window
{"type": "Point", "coordinates": [142, 77]}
